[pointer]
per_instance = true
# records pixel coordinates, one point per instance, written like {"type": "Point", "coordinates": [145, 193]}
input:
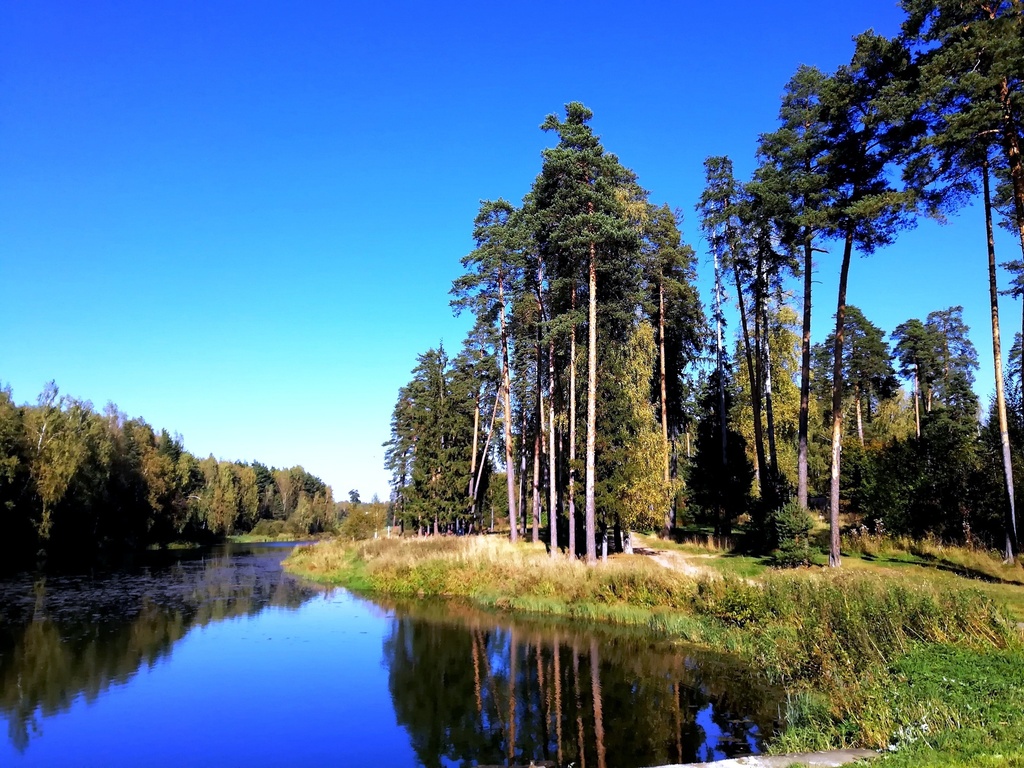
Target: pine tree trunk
{"type": "Point", "coordinates": [720, 365]}
{"type": "Point", "coordinates": [538, 448]}
{"type": "Point", "coordinates": [572, 435]}
{"type": "Point", "coordinates": [538, 420]}
{"type": "Point", "coordinates": [917, 402]}
{"type": "Point", "coordinates": [483, 456]}
{"type": "Point", "coordinates": [670, 512]}
{"type": "Point", "coordinates": [506, 395]}
{"type": "Point", "coordinates": [837, 406]}
{"type": "Point", "coordinates": [769, 410]}
{"type": "Point", "coordinates": [755, 391]}
{"type": "Point", "coordinates": [860, 422]}
{"type": "Point", "coordinates": [997, 358]}
{"type": "Point", "coordinates": [522, 472]}
{"type": "Point", "coordinates": [805, 376]}
{"type": "Point", "coordinates": [552, 480]}
{"type": "Point", "coordinates": [591, 516]}
{"type": "Point", "coordinates": [472, 458]}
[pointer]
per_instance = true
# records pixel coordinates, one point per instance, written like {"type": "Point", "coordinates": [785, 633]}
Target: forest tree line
{"type": "Point", "coordinates": [77, 483]}
{"type": "Point", "coordinates": [598, 392]}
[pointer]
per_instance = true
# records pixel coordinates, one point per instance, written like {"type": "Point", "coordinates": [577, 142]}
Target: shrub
{"type": "Point", "coordinates": [364, 521]}
{"type": "Point", "coordinates": [789, 529]}
{"type": "Point", "coordinates": [270, 528]}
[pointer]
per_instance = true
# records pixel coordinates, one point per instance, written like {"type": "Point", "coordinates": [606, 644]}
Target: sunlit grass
{"type": "Point", "coordinates": [972, 562]}
{"type": "Point", "coordinates": [941, 565]}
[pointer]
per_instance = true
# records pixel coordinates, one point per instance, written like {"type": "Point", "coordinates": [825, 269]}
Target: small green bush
{"type": "Point", "coordinates": [789, 527]}
{"type": "Point", "coordinates": [268, 528]}
{"type": "Point", "coordinates": [365, 521]}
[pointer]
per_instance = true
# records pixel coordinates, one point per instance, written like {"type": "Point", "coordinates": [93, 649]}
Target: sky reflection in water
{"type": "Point", "coordinates": [224, 660]}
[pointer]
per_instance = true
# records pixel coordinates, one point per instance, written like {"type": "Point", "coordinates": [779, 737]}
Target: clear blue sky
{"type": "Point", "coordinates": [240, 220]}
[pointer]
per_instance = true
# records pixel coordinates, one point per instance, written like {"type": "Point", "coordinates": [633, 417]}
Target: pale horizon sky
{"type": "Point", "coordinates": [240, 221]}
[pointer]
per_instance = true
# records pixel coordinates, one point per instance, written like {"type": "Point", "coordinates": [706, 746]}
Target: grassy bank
{"type": "Point", "coordinates": [282, 538]}
{"type": "Point", "coordinates": [876, 659]}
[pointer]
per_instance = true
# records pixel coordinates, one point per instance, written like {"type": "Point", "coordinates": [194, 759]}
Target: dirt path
{"type": "Point", "coordinates": [672, 559]}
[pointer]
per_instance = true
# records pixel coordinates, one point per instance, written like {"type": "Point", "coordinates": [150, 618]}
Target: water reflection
{"type": "Point", "coordinates": [457, 687]}
{"type": "Point", "coordinates": [474, 689]}
{"type": "Point", "coordinates": [66, 636]}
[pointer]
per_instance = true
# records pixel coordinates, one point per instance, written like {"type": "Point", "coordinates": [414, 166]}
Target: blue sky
{"type": "Point", "coordinates": [240, 220]}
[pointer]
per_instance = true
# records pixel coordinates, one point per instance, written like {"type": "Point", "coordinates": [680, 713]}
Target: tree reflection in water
{"type": "Point", "coordinates": [66, 636]}
{"type": "Point", "coordinates": [475, 689]}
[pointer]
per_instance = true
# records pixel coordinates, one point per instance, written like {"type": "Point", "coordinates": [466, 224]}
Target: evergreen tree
{"type": "Point", "coordinates": [675, 312]}
{"type": "Point", "coordinates": [475, 378]}
{"type": "Point", "coordinates": [970, 57]}
{"type": "Point", "coordinates": [494, 273]}
{"type": "Point", "coordinates": [782, 338]}
{"type": "Point", "coordinates": [955, 362]}
{"type": "Point", "coordinates": [915, 350]}
{"type": "Point", "coordinates": [582, 230]}
{"type": "Point", "coordinates": [720, 209]}
{"type": "Point", "coordinates": [631, 492]}
{"type": "Point", "coordinates": [719, 490]}
{"type": "Point", "coordinates": [972, 63]}
{"type": "Point", "coordinates": [868, 375]}
{"type": "Point", "coordinates": [794, 160]}
{"type": "Point", "coordinates": [866, 112]}
{"type": "Point", "coordinates": [430, 443]}
{"type": "Point", "coordinates": [763, 211]}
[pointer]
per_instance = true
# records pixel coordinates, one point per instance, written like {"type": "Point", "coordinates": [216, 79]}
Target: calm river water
{"type": "Point", "coordinates": [221, 659]}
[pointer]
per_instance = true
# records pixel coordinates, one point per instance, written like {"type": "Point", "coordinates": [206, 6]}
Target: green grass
{"type": "Point", "coordinates": [944, 706]}
{"type": "Point", "coordinates": [942, 566]}
{"type": "Point", "coordinates": [740, 566]}
{"type": "Point", "coordinates": [864, 652]}
{"type": "Point", "coordinates": [970, 562]}
{"type": "Point", "coordinates": [982, 694]}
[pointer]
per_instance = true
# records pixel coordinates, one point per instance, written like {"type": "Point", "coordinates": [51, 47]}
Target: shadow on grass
{"type": "Point", "coordinates": [962, 570]}
{"type": "Point", "coordinates": [925, 560]}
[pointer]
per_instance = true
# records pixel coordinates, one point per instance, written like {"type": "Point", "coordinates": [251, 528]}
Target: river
{"type": "Point", "coordinates": [220, 658]}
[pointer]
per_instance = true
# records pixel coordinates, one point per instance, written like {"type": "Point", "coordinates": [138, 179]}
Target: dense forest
{"type": "Point", "coordinates": [598, 393]}
{"type": "Point", "coordinates": [75, 483]}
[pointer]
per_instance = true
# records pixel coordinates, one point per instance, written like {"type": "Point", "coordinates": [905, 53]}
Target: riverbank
{"type": "Point", "coordinates": [283, 538]}
{"type": "Point", "coordinates": [831, 759]}
{"type": "Point", "coordinates": [932, 674]}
